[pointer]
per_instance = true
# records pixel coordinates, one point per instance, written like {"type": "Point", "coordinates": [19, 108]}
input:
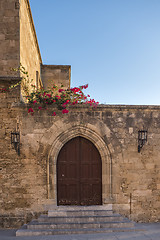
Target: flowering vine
{"type": "Point", "coordinates": [59, 97]}
{"type": "Point", "coordinates": [2, 90]}
{"type": "Point", "coordinates": [25, 82]}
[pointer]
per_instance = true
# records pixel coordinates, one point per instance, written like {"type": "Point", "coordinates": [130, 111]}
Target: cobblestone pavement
{"type": "Point", "coordinates": [148, 231]}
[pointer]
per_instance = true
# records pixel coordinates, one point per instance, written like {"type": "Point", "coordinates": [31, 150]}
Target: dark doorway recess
{"type": "Point", "coordinates": [79, 173]}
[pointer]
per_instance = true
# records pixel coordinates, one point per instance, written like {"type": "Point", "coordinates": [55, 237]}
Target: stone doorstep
{"type": "Point", "coordinates": [53, 207]}
{"type": "Point", "coordinates": [78, 219]}
{"type": "Point", "coordinates": [54, 210]}
{"type": "Point", "coordinates": [71, 213]}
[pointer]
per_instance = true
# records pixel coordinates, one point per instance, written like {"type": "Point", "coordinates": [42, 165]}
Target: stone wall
{"type": "Point", "coordinates": [9, 37]}
{"type": "Point", "coordinates": [19, 44]}
{"type": "Point", "coordinates": [18, 199]}
{"type": "Point", "coordinates": [30, 56]}
{"type": "Point", "coordinates": [58, 74]}
{"type": "Point", "coordinates": [130, 180]}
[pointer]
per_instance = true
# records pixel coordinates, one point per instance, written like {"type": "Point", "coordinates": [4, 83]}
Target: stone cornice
{"type": "Point", "coordinates": [128, 107]}
{"type": "Point", "coordinates": [118, 107]}
{"type": "Point", "coordinates": [105, 107]}
{"type": "Point", "coordinates": [9, 80]}
{"type": "Point", "coordinates": [56, 66]}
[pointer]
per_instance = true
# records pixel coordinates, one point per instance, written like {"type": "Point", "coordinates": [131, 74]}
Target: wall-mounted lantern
{"type": "Point", "coordinates": [15, 140]}
{"type": "Point", "coordinates": [142, 139]}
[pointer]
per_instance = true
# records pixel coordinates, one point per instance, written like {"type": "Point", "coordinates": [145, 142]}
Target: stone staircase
{"type": "Point", "coordinates": [77, 220]}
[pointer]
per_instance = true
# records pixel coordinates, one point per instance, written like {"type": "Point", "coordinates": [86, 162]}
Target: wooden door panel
{"type": "Point", "coordinates": [90, 195]}
{"type": "Point", "coordinates": [72, 171]}
{"type": "Point", "coordinates": [69, 196]}
{"type": "Point", "coordinates": [95, 170]}
{"type": "Point", "coordinates": [85, 171]}
{"type": "Point", "coordinates": [79, 174]}
{"type": "Point", "coordinates": [86, 153]}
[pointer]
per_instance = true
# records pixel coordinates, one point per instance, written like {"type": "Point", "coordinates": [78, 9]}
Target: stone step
{"type": "Point", "coordinates": [43, 226]}
{"type": "Point", "coordinates": [76, 219]}
{"type": "Point", "coordinates": [70, 213]}
{"type": "Point", "coordinates": [30, 232]}
{"type": "Point", "coordinates": [79, 219]}
{"type": "Point", "coordinates": [53, 207]}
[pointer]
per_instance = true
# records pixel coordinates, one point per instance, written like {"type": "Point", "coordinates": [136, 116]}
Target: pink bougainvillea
{"type": "Point", "coordinates": [30, 110]}
{"type": "Point", "coordinates": [3, 90]}
{"type": "Point", "coordinates": [63, 100]}
{"type": "Point", "coordinates": [65, 111]}
{"type": "Point", "coordinates": [58, 96]}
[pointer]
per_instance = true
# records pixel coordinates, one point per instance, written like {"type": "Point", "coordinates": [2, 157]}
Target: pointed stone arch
{"type": "Point", "coordinates": [105, 153]}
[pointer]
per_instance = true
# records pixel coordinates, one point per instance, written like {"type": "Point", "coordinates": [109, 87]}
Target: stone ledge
{"type": "Point", "coordinates": [101, 107]}
{"type": "Point", "coordinates": [56, 66]}
{"type": "Point", "coordinates": [6, 81]}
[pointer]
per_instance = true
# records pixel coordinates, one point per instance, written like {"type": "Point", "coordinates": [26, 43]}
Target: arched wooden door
{"type": "Point", "coordinates": [79, 174]}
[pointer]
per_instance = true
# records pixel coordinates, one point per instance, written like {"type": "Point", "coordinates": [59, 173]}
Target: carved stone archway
{"type": "Point", "coordinates": [103, 149]}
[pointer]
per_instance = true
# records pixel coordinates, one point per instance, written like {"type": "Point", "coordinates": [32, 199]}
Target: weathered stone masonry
{"type": "Point", "coordinates": [130, 180]}
{"type": "Point", "coordinates": [18, 44]}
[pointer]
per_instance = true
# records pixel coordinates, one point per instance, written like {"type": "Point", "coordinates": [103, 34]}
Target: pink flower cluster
{"type": "Point", "coordinates": [3, 90]}
{"type": "Point", "coordinates": [62, 100]}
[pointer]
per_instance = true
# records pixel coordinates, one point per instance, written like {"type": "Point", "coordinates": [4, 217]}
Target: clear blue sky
{"type": "Point", "coordinates": [113, 45]}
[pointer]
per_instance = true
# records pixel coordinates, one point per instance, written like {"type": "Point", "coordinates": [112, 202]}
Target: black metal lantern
{"type": "Point", "coordinates": [142, 139]}
{"type": "Point", "coordinates": [15, 140]}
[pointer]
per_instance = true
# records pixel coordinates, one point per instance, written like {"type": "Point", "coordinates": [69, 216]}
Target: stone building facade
{"type": "Point", "coordinates": [130, 179]}
{"type": "Point", "coordinates": [19, 45]}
